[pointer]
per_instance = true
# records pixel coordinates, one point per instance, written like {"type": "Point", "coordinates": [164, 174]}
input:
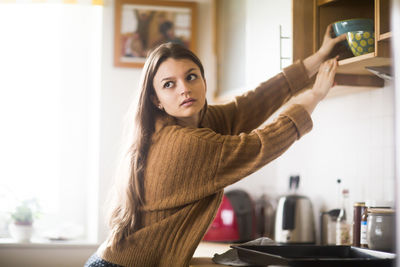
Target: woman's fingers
{"type": "Point", "coordinates": [340, 38]}
{"type": "Point", "coordinates": [337, 39]}
{"type": "Point", "coordinates": [332, 70]}
{"type": "Point", "coordinates": [323, 83]}
{"type": "Point", "coordinates": [325, 78]}
{"type": "Point", "coordinates": [328, 31]}
{"type": "Point", "coordinates": [335, 64]}
{"type": "Point", "coordinates": [332, 66]}
{"type": "Point", "coordinates": [328, 67]}
{"type": "Point", "coordinates": [329, 64]}
{"type": "Point", "coordinates": [329, 42]}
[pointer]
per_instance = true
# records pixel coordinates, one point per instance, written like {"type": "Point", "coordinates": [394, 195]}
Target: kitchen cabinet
{"type": "Point", "coordinates": [310, 19]}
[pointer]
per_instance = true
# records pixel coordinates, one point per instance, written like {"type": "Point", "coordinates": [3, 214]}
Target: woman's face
{"type": "Point", "coordinates": [180, 90]}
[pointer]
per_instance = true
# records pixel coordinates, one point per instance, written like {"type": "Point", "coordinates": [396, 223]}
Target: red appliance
{"type": "Point", "coordinates": [235, 219]}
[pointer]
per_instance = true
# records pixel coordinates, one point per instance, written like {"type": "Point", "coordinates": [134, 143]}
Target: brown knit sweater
{"type": "Point", "coordinates": [188, 168]}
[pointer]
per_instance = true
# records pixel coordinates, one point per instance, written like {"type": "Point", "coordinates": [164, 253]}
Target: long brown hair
{"type": "Point", "coordinates": [128, 193]}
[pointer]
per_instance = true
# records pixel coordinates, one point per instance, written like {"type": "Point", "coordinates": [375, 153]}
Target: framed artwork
{"type": "Point", "coordinates": [142, 25]}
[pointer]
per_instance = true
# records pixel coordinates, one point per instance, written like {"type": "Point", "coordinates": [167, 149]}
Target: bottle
{"type": "Point", "coordinates": [339, 192]}
{"type": "Point", "coordinates": [363, 229]}
{"type": "Point", "coordinates": [358, 210]}
{"type": "Point", "coordinates": [343, 227]}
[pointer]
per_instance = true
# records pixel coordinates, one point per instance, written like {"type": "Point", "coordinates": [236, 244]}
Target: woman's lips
{"type": "Point", "coordinates": [188, 102]}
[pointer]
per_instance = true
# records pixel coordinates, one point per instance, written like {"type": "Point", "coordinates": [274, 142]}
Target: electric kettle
{"type": "Point", "coordinates": [294, 221]}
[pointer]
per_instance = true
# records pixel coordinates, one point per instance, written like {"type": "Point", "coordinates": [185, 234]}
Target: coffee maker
{"type": "Point", "coordinates": [294, 221]}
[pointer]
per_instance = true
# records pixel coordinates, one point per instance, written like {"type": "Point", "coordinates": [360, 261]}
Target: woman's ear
{"type": "Point", "coordinates": [156, 102]}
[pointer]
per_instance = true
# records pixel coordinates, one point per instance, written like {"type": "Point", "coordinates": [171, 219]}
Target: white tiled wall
{"type": "Point", "coordinates": [352, 139]}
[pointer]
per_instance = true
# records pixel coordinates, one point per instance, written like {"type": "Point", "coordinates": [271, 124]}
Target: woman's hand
{"type": "Point", "coordinates": [325, 78]}
{"type": "Point", "coordinates": [324, 81]}
{"type": "Point", "coordinates": [313, 62]}
{"type": "Point", "coordinates": [329, 42]}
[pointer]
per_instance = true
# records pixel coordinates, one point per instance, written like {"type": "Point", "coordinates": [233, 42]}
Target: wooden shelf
{"type": "Point", "coordinates": [356, 65]}
{"type": "Point", "coordinates": [324, 2]}
{"type": "Point", "coordinates": [385, 36]}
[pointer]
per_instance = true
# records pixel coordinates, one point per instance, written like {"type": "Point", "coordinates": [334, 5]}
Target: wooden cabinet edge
{"type": "Point", "coordinates": [324, 2]}
{"type": "Point", "coordinates": [302, 30]}
{"type": "Point", "coordinates": [352, 84]}
{"type": "Point", "coordinates": [350, 60]}
{"type": "Point", "coordinates": [359, 80]}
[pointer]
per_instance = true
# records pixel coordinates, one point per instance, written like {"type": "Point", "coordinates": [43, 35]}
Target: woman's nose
{"type": "Point", "coordinates": [185, 89]}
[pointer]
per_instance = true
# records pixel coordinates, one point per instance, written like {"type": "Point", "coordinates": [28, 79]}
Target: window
{"type": "Point", "coordinates": [49, 112]}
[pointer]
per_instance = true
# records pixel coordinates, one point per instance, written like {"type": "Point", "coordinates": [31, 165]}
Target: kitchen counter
{"type": "Point", "coordinates": [203, 262]}
{"type": "Point", "coordinates": [208, 249]}
{"type": "Point", "coordinates": [205, 251]}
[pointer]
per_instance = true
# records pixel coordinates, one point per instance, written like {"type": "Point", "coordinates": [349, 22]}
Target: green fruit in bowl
{"type": "Point", "coordinates": [361, 42]}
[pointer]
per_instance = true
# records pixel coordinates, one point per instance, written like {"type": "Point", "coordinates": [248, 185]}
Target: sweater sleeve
{"type": "Point", "coordinates": [249, 111]}
{"type": "Point", "coordinates": [246, 153]}
{"type": "Point", "coordinates": [188, 164]}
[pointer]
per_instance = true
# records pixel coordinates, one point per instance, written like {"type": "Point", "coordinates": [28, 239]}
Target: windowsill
{"type": "Point", "coordinates": [44, 243]}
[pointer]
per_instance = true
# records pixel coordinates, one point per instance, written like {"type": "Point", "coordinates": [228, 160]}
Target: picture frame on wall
{"type": "Point", "coordinates": [142, 25]}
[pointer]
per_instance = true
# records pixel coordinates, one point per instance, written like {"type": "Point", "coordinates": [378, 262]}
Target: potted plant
{"type": "Point", "coordinates": [21, 227]}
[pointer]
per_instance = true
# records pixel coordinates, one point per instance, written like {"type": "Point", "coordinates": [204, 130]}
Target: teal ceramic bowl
{"type": "Point", "coordinates": [351, 25]}
{"type": "Point", "coordinates": [361, 42]}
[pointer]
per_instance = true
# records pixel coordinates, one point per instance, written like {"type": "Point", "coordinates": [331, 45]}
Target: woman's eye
{"type": "Point", "coordinates": [191, 77]}
{"type": "Point", "coordinates": [168, 84]}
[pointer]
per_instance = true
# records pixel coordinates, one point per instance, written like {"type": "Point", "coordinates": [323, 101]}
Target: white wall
{"type": "Point", "coordinates": [263, 19]}
{"type": "Point", "coordinates": [232, 20]}
{"type": "Point", "coordinates": [352, 139]}
{"type": "Point", "coordinates": [249, 43]}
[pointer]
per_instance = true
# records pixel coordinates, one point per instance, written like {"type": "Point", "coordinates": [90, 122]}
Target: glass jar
{"type": "Point", "coordinates": [381, 229]}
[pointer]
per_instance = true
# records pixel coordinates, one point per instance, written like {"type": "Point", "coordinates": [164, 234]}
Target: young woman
{"type": "Point", "coordinates": [184, 152]}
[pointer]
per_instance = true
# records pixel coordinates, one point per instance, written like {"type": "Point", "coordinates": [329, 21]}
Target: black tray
{"type": "Point", "coordinates": [311, 255]}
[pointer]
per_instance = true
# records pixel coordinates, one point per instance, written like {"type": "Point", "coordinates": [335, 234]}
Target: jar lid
{"type": "Point", "coordinates": [359, 204]}
{"type": "Point", "coordinates": [383, 211]}
{"type": "Point", "coordinates": [379, 204]}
